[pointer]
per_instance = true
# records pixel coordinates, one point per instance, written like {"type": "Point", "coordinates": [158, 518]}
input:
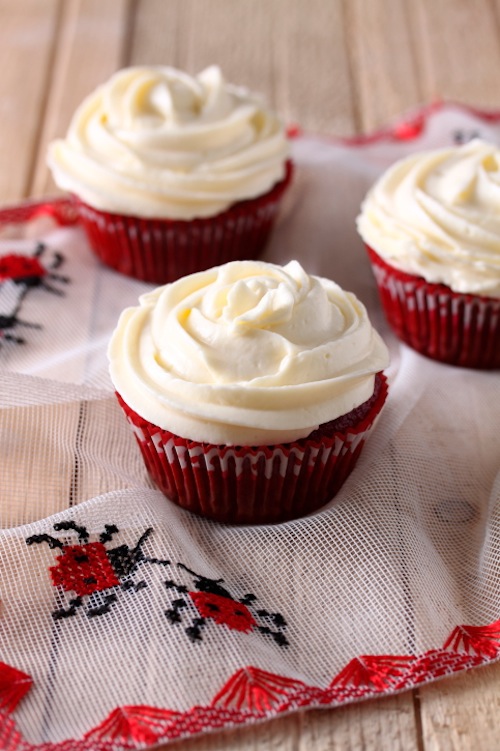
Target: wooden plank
{"type": "Point", "coordinates": [27, 39]}
{"type": "Point", "coordinates": [457, 49]}
{"type": "Point", "coordinates": [462, 713]}
{"type": "Point", "coordinates": [155, 37]}
{"type": "Point", "coordinates": [43, 82]}
{"type": "Point", "coordinates": [281, 734]}
{"type": "Point", "coordinates": [87, 26]}
{"type": "Point", "coordinates": [189, 34]}
{"type": "Point", "coordinates": [311, 68]}
{"type": "Point", "coordinates": [384, 70]}
{"type": "Point", "coordinates": [246, 29]}
{"type": "Point", "coordinates": [264, 45]}
{"type": "Point", "coordinates": [406, 54]}
{"type": "Point", "coordinates": [386, 723]}
{"type": "Point", "coordinates": [236, 37]}
{"type": "Point", "coordinates": [36, 483]}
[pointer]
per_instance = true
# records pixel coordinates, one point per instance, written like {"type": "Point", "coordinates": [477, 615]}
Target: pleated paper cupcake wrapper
{"type": "Point", "coordinates": [252, 485]}
{"type": "Point", "coordinates": [162, 250]}
{"type": "Point", "coordinates": [454, 328]}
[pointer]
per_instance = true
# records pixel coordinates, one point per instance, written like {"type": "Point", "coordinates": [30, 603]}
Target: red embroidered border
{"type": "Point", "coordinates": [255, 694]}
{"type": "Point", "coordinates": [14, 684]}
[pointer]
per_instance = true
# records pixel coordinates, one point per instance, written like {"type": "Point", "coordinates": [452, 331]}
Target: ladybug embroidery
{"type": "Point", "coordinates": [29, 270]}
{"type": "Point", "coordinates": [11, 297]}
{"type": "Point", "coordinates": [90, 569]}
{"type": "Point", "coordinates": [211, 601]}
{"type": "Point", "coordinates": [18, 275]}
{"type": "Point", "coordinates": [462, 135]}
{"type": "Point", "coordinates": [7, 322]}
{"type": "Point", "coordinates": [93, 573]}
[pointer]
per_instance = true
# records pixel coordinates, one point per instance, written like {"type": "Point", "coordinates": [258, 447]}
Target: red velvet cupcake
{"type": "Point", "coordinates": [251, 389]}
{"type": "Point", "coordinates": [172, 173]}
{"type": "Point", "coordinates": [257, 484]}
{"type": "Point", "coordinates": [452, 327]}
{"type": "Point", "coordinates": [162, 250]}
{"type": "Point", "coordinates": [431, 225]}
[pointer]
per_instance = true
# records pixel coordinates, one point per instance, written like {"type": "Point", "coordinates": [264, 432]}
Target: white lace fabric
{"type": "Point", "coordinates": [407, 552]}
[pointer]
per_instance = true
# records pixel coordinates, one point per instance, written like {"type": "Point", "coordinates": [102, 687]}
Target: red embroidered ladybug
{"type": "Point", "coordinates": [18, 274]}
{"type": "Point", "coordinates": [90, 569]}
{"type": "Point", "coordinates": [20, 268]}
{"type": "Point", "coordinates": [212, 601]}
{"type": "Point", "coordinates": [30, 271]}
{"type": "Point", "coordinates": [223, 610]}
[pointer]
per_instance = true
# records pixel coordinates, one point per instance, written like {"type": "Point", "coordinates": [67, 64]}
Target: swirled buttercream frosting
{"type": "Point", "coordinates": [157, 142]}
{"type": "Point", "coordinates": [248, 353]}
{"type": "Point", "coordinates": [436, 214]}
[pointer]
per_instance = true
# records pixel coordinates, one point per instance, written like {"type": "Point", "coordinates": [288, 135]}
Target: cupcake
{"type": "Point", "coordinates": [250, 388]}
{"type": "Point", "coordinates": [171, 173]}
{"type": "Point", "coordinates": [431, 225]}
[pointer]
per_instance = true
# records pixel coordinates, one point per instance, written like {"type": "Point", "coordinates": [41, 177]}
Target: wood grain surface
{"type": "Point", "coordinates": [336, 66]}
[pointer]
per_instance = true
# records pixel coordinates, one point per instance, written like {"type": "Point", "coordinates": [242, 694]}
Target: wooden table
{"type": "Point", "coordinates": [335, 66]}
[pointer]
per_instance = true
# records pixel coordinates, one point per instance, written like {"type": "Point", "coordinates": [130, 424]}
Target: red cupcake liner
{"type": "Point", "coordinates": [254, 485]}
{"type": "Point", "coordinates": [162, 250]}
{"type": "Point", "coordinates": [452, 327]}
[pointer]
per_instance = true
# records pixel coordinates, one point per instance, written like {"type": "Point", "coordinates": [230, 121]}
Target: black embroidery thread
{"type": "Point", "coordinates": [92, 574]}
{"type": "Point", "coordinates": [463, 135]}
{"type": "Point", "coordinates": [18, 275]}
{"type": "Point", "coordinates": [211, 601]}
{"type": "Point", "coordinates": [93, 571]}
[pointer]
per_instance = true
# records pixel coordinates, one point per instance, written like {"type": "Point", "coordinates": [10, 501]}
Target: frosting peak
{"type": "Point", "coordinates": [256, 301]}
{"type": "Point", "coordinates": [246, 353]}
{"type": "Point", "coordinates": [436, 214]}
{"type": "Point", "coordinates": [157, 142]}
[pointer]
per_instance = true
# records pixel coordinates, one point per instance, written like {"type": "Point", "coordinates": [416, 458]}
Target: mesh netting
{"type": "Point", "coordinates": [113, 603]}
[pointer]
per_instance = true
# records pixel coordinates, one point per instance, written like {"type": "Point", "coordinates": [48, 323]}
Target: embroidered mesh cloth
{"type": "Point", "coordinates": [125, 621]}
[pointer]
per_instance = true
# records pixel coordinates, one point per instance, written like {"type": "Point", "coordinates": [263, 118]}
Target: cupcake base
{"type": "Point", "coordinates": [257, 485]}
{"type": "Point", "coordinates": [162, 250]}
{"type": "Point", "coordinates": [451, 327]}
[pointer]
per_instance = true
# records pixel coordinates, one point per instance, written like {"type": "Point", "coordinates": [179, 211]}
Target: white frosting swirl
{"type": "Point", "coordinates": [156, 142]}
{"type": "Point", "coordinates": [247, 353]}
{"type": "Point", "coordinates": [437, 215]}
